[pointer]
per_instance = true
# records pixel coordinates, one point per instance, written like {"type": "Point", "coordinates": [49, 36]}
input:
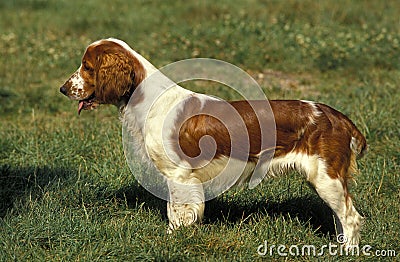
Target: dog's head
{"type": "Point", "coordinates": [109, 73]}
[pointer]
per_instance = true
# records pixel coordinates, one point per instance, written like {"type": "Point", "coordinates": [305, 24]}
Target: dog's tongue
{"type": "Point", "coordinates": [80, 107]}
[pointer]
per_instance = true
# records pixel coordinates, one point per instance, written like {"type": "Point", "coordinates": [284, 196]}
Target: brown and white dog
{"type": "Point", "coordinates": [312, 138]}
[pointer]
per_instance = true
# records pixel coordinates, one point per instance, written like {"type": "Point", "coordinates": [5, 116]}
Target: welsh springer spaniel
{"type": "Point", "coordinates": [312, 138]}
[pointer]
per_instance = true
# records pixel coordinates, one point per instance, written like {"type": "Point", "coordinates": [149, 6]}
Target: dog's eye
{"type": "Point", "coordinates": [87, 67]}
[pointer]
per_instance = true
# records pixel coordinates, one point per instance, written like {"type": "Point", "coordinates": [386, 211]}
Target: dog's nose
{"type": "Point", "coordinates": [63, 90]}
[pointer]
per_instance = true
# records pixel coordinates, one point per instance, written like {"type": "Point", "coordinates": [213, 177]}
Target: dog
{"type": "Point", "coordinates": [312, 138]}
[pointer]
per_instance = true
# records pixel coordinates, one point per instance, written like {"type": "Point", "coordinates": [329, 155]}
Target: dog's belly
{"type": "Point", "coordinates": [225, 171]}
{"type": "Point", "coordinates": [228, 171]}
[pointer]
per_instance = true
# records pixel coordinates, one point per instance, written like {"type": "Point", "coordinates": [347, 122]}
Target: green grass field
{"type": "Point", "coordinates": [66, 192]}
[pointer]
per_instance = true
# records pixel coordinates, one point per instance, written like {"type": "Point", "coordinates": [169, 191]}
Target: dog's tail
{"type": "Point", "coordinates": [358, 142]}
{"type": "Point", "coordinates": [358, 146]}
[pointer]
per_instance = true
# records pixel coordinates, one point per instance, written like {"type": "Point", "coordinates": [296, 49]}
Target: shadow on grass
{"type": "Point", "coordinates": [308, 209]}
{"type": "Point", "coordinates": [135, 195]}
{"type": "Point", "coordinates": [15, 182]}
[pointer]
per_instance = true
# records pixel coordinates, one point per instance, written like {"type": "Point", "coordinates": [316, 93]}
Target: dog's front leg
{"type": "Point", "coordinates": [186, 202]}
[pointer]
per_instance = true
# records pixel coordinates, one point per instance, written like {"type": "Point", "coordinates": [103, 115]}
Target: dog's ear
{"type": "Point", "coordinates": [115, 76]}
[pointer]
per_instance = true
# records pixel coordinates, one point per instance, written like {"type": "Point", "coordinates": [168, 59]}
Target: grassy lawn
{"type": "Point", "coordinates": [66, 192]}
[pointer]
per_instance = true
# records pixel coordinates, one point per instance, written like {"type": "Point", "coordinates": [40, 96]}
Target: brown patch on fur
{"type": "Point", "coordinates": [300, 127]}
{"type": "Point", "coordinates": [233, 126]}
{"type": "Point", "coordinates": [115, 71]}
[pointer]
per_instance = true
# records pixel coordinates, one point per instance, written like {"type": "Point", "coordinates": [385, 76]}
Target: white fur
{"type": "Point", "coordinates": [300, 162]}
{"type": "Point", "coordinates": [77, 84]}
{"type": "Point", "coordinates": [315, 109]}
{"type": "Point", "coordinates": [332, 192]}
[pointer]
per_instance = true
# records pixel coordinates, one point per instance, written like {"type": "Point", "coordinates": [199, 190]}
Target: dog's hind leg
{"type": "Point", "coordinates": [335, 194]}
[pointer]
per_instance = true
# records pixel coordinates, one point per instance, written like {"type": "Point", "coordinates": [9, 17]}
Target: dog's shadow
{"type": "Point", "coordinates": [308, 209]}
{"type": "Point", "coordinates": [16, 182]}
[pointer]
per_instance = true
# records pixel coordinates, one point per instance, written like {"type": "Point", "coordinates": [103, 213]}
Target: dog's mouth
{"type": "Point", "coordinates": [87, 103]}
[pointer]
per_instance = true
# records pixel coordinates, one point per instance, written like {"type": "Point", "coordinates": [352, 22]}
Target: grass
{"type": "Point", "coordinates": [66, 192]}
